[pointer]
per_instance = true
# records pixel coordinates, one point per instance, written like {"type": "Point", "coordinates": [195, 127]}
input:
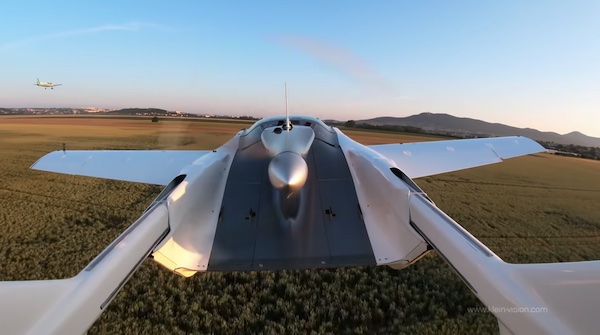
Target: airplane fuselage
{"type": "Point", "coordinates": [45, 84]}
{"type": "Point", "coordinates": [286, 199]}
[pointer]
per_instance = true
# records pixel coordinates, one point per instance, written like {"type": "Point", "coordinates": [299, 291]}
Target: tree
{"type": "Point", "coordinates": [350, 123]}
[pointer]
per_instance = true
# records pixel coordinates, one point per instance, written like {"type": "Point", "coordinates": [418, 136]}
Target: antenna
{"type": "Point", "coordinates": [288, 125]}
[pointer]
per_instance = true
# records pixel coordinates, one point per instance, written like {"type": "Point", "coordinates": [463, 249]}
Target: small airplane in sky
{"type": "Point", "coordinates": [45, 84]}
{"type": "Point", "coordinates": [296, 193]}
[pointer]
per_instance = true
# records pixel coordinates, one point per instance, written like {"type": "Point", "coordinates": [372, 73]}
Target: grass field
{"type": "Point", "coordinates": [538, 208]}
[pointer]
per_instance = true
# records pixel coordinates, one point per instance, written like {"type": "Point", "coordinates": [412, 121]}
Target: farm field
{"type": "Point", "coordinates": [538, 208]}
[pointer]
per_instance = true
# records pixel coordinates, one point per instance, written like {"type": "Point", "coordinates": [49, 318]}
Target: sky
{"type": "Point", "coordinates": [525, 63]}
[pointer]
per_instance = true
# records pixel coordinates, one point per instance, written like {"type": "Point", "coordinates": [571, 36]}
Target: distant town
{"type": "Point", "coordinates": [109, 111]}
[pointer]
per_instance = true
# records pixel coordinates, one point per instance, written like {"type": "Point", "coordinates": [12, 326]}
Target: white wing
{"type": "Point", "coordinates": [429, 158]}
{"type": "Point", "coordinates": [70, 306]}
{"type": "Point", "coordinates": [555, 298]}
{"type": "Point", "coordinates": [143, 166]}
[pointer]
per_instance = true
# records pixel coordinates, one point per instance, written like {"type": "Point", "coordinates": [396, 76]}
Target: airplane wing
{"type": "Point", "coordinates": [70, 306]}
{"type": "Point", "coordinates": [142, 166]}
{"type": "Point", "coordinates": [429, 158]}
{"type": "Point", "coordinates": [553, 298]}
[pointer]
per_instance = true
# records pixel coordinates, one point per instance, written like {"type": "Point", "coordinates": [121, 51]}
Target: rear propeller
{"type": "Point", "coordinates": [173, 134]}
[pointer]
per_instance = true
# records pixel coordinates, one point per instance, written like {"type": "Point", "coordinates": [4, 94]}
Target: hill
{"type": "Point", "coordinates": [466, 126]}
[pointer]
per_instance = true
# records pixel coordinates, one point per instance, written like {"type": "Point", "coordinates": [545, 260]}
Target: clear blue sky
{"type": "Point", "coordinates": [527, 63]}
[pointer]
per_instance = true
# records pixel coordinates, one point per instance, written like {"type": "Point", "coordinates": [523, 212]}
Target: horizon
{"type": "Point", "coordinates": [326, 119]}
{"type": "Point", "coordinates": [507, 63]}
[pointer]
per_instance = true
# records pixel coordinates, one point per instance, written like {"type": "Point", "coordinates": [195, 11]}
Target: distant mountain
{"type": "Point", "coordinates": [467, 126]}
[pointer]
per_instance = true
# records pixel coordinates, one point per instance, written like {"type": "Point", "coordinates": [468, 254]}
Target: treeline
{"type": "Point", "coordinates": [580, 150]}
{"type": "Point", "coordinates": [402, 129]}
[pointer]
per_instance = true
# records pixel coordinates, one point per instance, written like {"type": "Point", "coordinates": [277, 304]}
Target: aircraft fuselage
{"type": "Point", "coordinates": [287, 199]}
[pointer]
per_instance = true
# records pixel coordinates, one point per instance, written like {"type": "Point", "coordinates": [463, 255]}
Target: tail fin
{"type": "Point", "coordinates": [38, 80]}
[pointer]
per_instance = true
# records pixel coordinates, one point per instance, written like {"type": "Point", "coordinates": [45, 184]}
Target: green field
{"type": "Point", "coordinates": [538, 208]}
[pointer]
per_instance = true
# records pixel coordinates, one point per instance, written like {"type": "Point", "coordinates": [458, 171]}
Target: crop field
{"type": "Point", "coordinates": [538, 208]}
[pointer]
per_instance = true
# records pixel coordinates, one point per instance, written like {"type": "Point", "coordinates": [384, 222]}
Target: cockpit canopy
{"type": "Point", "coordinates": [321, 130]}
{"type": "Point", "coordinates": [273, 121]}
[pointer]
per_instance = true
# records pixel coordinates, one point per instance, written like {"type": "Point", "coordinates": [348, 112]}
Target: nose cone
{"type": "Point", "coordinates": [288, 171]}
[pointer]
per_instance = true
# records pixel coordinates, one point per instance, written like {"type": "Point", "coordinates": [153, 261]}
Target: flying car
{"type": "Point", "coordinates": [296, 193]}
